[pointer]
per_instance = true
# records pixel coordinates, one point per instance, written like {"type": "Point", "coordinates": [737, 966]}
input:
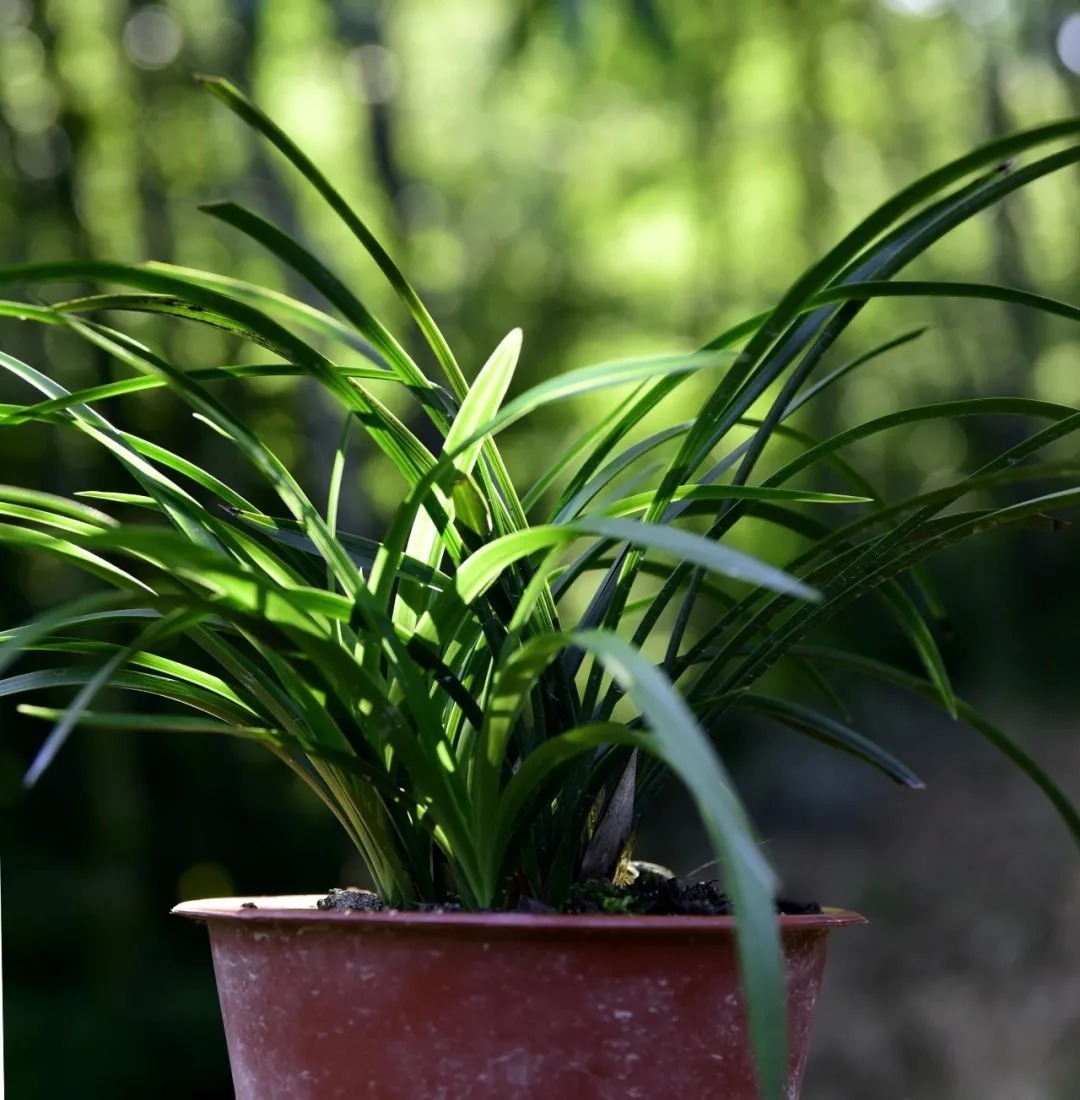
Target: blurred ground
{"type": "Point", "coordinates": [965, 985]}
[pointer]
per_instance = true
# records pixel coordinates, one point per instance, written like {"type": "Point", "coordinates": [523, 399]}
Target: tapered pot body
{"type": "Point", "coordinates": [426, 1006]}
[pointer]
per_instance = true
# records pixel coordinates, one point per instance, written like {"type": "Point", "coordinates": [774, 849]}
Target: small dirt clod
{"type": "Point", "coordinates": [350, 900]}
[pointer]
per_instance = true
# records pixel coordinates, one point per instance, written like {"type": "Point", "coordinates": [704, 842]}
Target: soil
{"type": "Point", "coordinates": [350, 900]}
{"type": "Point", "coordinates": [659, 895]}
{"type": "Point", "coordinates": [649, 894]}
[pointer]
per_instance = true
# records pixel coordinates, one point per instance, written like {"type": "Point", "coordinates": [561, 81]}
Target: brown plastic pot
{"type": "Point", "coordinates": [426, 1006]}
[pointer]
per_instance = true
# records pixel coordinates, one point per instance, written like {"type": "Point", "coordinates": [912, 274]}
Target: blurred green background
{"type": "Point", "coordinates": [614, 177]}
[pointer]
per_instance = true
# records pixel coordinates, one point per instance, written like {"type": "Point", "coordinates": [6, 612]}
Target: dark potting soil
{"type": "Point", "coordinates": [657, 895]}
{"type": "Point", "coordinates": [649, 894]}
{"type": "Point", "coordinates": [350, 900]}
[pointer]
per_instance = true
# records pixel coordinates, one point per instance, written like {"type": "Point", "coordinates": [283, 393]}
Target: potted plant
{"type": "Point", "coordinates": [489, 755]}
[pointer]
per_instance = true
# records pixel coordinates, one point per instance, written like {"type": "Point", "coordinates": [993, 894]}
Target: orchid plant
{"type": "Point", "coordinates": [474, 736]}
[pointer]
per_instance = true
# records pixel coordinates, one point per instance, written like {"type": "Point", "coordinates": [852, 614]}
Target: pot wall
{"type": "Point", "coordinates": [453, 1006]}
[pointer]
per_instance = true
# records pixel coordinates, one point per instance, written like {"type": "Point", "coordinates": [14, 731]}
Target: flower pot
{"type": "Point", "coordinates": [432, 1005]}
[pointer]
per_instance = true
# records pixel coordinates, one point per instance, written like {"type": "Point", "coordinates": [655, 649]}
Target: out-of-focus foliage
{"type": "Point", "coordinates": [597, 183]}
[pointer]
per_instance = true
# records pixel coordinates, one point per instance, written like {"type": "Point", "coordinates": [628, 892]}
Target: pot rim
{"type": "Point", "coordinates": [301, 909]}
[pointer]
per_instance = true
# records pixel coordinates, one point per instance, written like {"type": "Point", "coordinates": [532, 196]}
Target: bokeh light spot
{"type": "Point", "coordinates": [921, 8]}
{"type": "Point", "coordinates": [372, 74]}
{"type": "Point", "coordinates": [33, 108]}
{"type": "Point", "coordinates": [14, 13]}
{"type": "Point", "coordinates": [937, 447]}
{"type": "Point", "coordinates": [42, 156]}
{"type": "Point", "coordinates": [153, 38]}
{"type": "Point", "coordinates": [981, 13]}
{"type": "Point", "coordinates": [204, 880]}
{"type": "Point", "coordinates": [1056, 375]}
{"type": "Point", "coordinates": [1068, 43]}
{"type": "Point", "coordinates": [24, 56]}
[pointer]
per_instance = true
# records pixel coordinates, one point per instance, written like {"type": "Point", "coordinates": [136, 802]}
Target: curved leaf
{"type": "Point", "coordinates": [830, 732]}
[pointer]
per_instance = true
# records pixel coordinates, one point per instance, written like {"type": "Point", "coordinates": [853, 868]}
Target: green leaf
{"type": "Point", "coordinates": [675, 737]}
{"type": "Point", "coordinates": [576, 383]}
{"type": "Point", "coordinates": [470, 506]}
{"type": "Point", "coordinates": [361, 551]}
{"type": "Point", "coordinates": [246, 110]}
{"type": "Point", "coordinates": [175, 622]}
{"type": "Point", "coordinates": [907, 614]}
{"type": "Point", "coordinates": [771, 349]}
{"type": "Point", "coordinates": [694, 548]}
{"type": "Point", "coordinates": [967, 714]}
{"type": "Point", "coordinates": [482, 402]}
{"type": "Point", "coordinates": [573, 502]}
{"type": "Point", "coordinates": [70, 549]}
{"type": "Point", "coordinates": [285, 248]}
{"type": "Point", "coordinates": [163, 687]}
{"type": "Point", "coordinates": [297, 606]}
{"type": "Point", "coordinates": [679, 741]}
{"type": "Point", "coordinates": [45, 410]}
{"type": "Point", "coordinates": [532, 772]}
{"type": "Point", "coordinates": [822, 685]}
{"type": "Point", "coordinates": [830, 732]}
{"type": "Point", "coordinates": [93, 608]}
{"type": "Point", "coordinates": [300, 313]}
{"type": "Point", "coordinates": [173, 723]}
{"type": "Point", "coordinates": [480, 570]}
{"type": "Point", "coordinates": [912, 288]}
{"type": "Point", "coordinates": [640, 502]}
{"type": "Point", "coordinates": [587, 444]}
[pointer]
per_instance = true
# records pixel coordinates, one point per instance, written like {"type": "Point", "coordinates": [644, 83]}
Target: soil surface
{"type": "Point", "coordinates": [649, 894]}
{"type": "Point", "coordinates": [350, 900]}
{"type": "Point", "coordinates": [658, 895]}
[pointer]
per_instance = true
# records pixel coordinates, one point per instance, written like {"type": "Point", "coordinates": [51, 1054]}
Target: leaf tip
{"type": "Point", "coordinates": [215, 207]}
{"type": "Point", "coordinates": [33, 773]}
{"type": "Point", "coordinates": [512, 341]}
